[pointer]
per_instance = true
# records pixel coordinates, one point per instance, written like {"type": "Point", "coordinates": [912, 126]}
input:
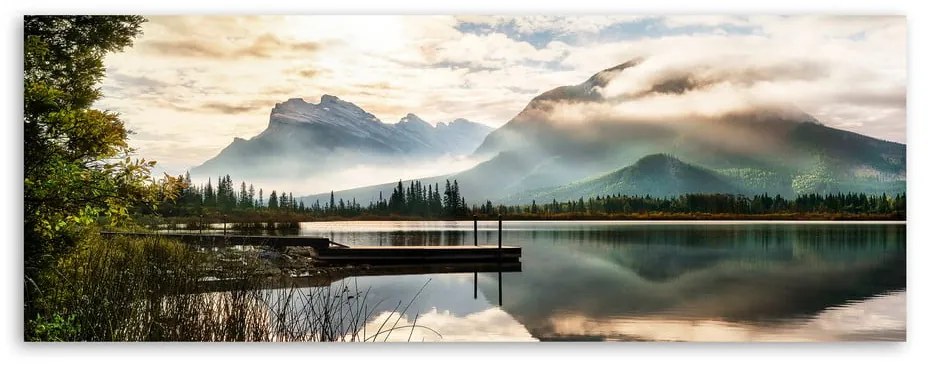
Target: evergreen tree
{"type": "Point", "coordinates": [243, 196]}
{"type": "Point", "coordinates": [251, 197]}
{"type": "Point", "coordinates": [273, 200]}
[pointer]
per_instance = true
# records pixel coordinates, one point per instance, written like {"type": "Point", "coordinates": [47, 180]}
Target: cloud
{"type": "Point", "coordinates": [142, 83]}
{"type": "Point", "coordinates": [226, 108]}
{"type": "Point", "coordinates": [186, 48]}
{"type": "Point", "coordinates": [308, 72]}
{"type": "Point", "coordinates": [494, 50]}
{"type": "Point", "coordinates": [681, 21]}
{"type": "Point", "coordinates": [264, 46]}
{"type": "Point", "coordinates": [377, 86]}
{"type": "Point", "coordinates": [551, 23]}
{"type": "Point", "coordinates": [668, 89]}
{"type": "Point", "coordinates": [832, 74]}
{"type": "Point", "coordinates": [212, 78]}
{"type": "Point", "coordinates": [879, 316]}
{"type": "Point", "coordinates": [492, 324]}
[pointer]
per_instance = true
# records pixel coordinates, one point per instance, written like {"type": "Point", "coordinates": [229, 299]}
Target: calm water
{"type": "Point", "coordinates": [650, 281]}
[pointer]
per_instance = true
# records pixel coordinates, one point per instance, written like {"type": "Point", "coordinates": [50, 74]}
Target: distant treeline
{"type": "Point", "coordinates": [762, 204]}
{"type": "Point", "coordinates": [414, 200]}
{"type": "Point", "coordinates": [224, 198]}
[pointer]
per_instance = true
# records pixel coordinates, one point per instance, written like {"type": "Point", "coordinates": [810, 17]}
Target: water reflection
{"type": "Point", "coordinates": [662, 281]}
{"type": "Point", "coordinates": [488, 325]}
{"type": "Point", "coordinates": [442, 311]}
{"type": "Point", "coordinates": [877, 318]}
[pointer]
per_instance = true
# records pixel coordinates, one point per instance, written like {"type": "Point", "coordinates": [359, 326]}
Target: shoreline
{"type": "Point", "coordinates": [573, 217]}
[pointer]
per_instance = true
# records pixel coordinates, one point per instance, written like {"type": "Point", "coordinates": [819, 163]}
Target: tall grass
{"type": "Point", "coordinates": [264, 226]}
{"type": "Point", "coordinates": [241, 227]}
{"type": "Point", "coordinates": [154, 289]}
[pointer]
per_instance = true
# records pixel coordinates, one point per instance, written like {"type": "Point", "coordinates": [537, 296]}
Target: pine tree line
{"type": "Point", "coordinates": [224, 197]}
{"type": "Point", "coordinates": [417, 200]}
{"type": "Point", "coordinates": [431, 201]}
{"type": "Point", "coordinates": [851, 203]}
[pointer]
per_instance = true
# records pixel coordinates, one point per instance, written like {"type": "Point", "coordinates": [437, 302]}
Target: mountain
{"type": "Point", "coordinates": [303, 138]}
{"type": "Point", "coordinates": [658, 175]}
{"type": "Point", "coordinates": [578, 131]}
{"type": "Point", "coordinates": [585, 131]}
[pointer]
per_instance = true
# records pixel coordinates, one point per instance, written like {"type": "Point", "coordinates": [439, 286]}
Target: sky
{"type": "Point", "coordinates": [190, 84]}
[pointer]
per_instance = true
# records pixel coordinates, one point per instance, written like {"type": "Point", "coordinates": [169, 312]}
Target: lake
{"type": "Point", "coordinates": [648, 281]}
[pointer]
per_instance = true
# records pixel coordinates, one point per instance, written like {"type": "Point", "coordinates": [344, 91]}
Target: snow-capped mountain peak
{"type": "Point", "coordinates": [411, 121]}
{"type": "Point", "coordinates": [307, 133]}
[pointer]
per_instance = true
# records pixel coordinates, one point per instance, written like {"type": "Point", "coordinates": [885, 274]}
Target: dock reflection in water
{"type": "Point", "coordinates": [654, 281]}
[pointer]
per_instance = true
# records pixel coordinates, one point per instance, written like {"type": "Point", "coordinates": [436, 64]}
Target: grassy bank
{"type": "Point", "coordinates": [150, 289]}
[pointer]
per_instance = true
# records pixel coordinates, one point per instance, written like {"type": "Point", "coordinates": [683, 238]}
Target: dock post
{"type": "Point", "coordinates": [500, 252]}
{"type": "Point", "coordinates": [475, 293]}
{"type": "Point", "coordinates": [500, 237]}
{"type": "Point", "coordinates": [476, 230]}
{"type": "Point", "coordinates": [500, 288]}
{"type": "Point", "coordinates": [500, 228]}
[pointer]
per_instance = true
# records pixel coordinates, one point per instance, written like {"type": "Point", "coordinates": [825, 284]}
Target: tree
{"type": "Point", "coordinates": [397, 202]}
{"type": "Point", "coordinates": [448, 199]}
{"type": "Point", "coordinates": [251, 197]}
{"type": "Point", "coordinates": [77, 162]}
{"type": "Point", "coordinates": [209, 197]}
{"type": "Point", "coordinates": [243, 196]}
{"type": "Point", "coordinates": [273, 200]}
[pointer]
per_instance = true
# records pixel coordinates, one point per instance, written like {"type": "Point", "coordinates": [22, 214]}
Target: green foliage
{"type": "Point", "coordinates": [155, 289]}
{"type": "Point", "coordinates": [822, 176]}
{"type": "Point", "coordinates": [76, 161]}
{"type": "Point", "coordinates": [103, 286]}
{"type": "Point", "coordinates": [78, 166]}
{"type": "Point", "coordinates": [760, 180]}
{"type": "Point", "coordinates": [223, 202]}
{"type": "Point", "coordinates": [712, 204]}
{"type": "Point", "coordinates": [412, 199]}
{"type": "Point", "coordinates": [54, 329]}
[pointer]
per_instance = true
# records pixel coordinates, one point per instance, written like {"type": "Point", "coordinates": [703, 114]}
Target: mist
{"type": "Point", "coordinates": [343, 172]}
{"type": "Point", "coordinates": [721, 102]}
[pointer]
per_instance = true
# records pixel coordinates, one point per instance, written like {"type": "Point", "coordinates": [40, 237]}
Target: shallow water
{"type": "Point", "coordinates": [653, 281]}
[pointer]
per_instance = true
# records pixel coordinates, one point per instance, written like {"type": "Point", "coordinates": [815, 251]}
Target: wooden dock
{"type": "Point", "coordinates": [325, 250]}
{"type": "Point", "coordinates": [418, 254]}
{"type": "Point", "coordinates": [213, 240]}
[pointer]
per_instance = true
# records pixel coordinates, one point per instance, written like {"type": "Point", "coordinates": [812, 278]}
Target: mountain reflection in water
{"type": "Point", "coordinates": [726, 281]}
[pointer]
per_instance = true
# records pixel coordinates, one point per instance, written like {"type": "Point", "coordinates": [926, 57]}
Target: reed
{"type": "Point", "coordinates": [265, 226]}
{"type": "Point", "coordinates": [152, 289]}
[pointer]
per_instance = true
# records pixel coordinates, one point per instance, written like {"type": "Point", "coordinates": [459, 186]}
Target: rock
{"type": "Point", "coordinates": [269, 255]}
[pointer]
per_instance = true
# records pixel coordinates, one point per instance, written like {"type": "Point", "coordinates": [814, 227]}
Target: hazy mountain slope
{"type": "Point", "coordinates": [492, 179]}
{"type": "Point", "coordinates": [657, 175]}
{"type": "Point", "coordinates": [577, 130]}
{"type": "Point", "coordinates": [589, 130]}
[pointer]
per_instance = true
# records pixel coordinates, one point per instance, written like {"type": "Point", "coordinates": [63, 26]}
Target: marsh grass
{"type": "Point", "coordinates": [240, 227]}
{"type": "Point", "coordinates": [265, 226]}
{"type": "Point", "coordinates": [152, 289]}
